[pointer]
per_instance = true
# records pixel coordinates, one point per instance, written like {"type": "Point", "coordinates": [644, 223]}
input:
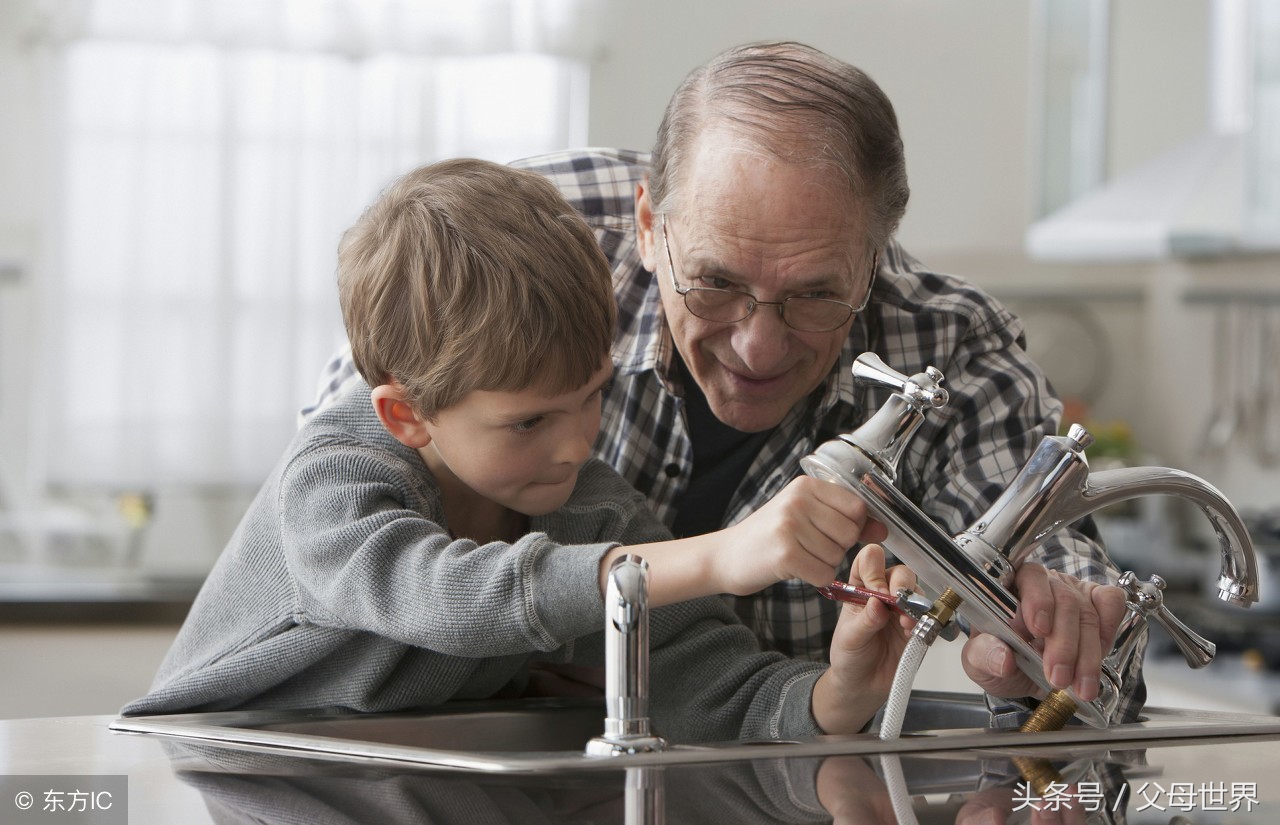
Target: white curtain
{"type": "Point", "coordinates": [211, 154]}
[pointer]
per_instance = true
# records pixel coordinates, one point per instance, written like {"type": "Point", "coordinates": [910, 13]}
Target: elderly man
{"type": "Point", "coordinates": [754, 258]}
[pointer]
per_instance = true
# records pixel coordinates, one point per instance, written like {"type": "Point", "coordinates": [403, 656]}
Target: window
{"type": "Point", "coordinates": [211, 155]}
{"type": "Point", "coordinates": [1104, 75]}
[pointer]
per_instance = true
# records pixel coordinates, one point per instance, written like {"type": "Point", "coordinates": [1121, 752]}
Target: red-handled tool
{"type": "Point", "coordinates": [844, 592]}
{"type": "Point", "coordinates": [905, 603]}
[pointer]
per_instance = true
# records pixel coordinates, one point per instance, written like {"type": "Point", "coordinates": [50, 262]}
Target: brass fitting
{"type": "Point", "coordinates": [945, 607]}
{"type": "Point", "coordinates": [1052, 714]}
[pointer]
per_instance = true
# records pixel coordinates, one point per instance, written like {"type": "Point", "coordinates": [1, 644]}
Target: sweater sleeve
{"type": "Point", "coordinates": [363, 538]}
{"type": "Point", "coordinates": [709, 681]}
{"type": "Point", "coordinates": [708, 678]}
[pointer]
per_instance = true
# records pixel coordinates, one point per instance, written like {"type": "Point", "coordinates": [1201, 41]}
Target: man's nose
{"type": "Point", "coordinates": [760, 338]}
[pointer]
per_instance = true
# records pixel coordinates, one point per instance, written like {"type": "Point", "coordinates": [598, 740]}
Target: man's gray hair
{"type": "Point", "coordinates": [800, 105]}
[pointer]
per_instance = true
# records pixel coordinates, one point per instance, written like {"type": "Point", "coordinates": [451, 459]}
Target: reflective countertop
{"type": "Point", "coordinates": [1176, 780]}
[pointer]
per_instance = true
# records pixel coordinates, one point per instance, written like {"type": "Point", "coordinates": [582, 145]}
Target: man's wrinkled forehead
{"type": "Point", "coordinates": [804, 139]}
{"type": "Point", "coordinates": [744, 152]}
{"type": "Point", "coordinates": [732, 185]}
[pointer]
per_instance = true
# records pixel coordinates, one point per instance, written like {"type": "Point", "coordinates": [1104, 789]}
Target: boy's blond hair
{"type": "Point", "coordinates": [469, 275]}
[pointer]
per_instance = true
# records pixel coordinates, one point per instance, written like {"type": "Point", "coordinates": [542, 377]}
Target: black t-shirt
{"type": "Point", "coordinates": [721, 457]}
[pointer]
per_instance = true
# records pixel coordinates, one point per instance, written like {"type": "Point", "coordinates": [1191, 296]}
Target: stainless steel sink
{"type": "Point", "coordinates": [549, 735]}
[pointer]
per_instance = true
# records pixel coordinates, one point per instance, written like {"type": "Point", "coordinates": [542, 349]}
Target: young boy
{"type": "Point", "coordinates": [440, 532]}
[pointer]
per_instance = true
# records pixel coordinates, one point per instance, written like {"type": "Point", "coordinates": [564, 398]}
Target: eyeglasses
{"type": "Point", "coordinates": [728, 306]}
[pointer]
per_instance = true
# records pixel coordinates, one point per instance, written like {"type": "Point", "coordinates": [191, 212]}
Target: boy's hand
{"type": "Point", "coordinates": [853, 793]}
{"type": "Point", "coordinates": [804, 532]}
{"type": "Point", "coordinates": [865, 650]}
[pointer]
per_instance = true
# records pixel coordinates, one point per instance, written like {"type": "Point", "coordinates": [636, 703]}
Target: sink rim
{"type": "Point", "coordinates": [247, 730]}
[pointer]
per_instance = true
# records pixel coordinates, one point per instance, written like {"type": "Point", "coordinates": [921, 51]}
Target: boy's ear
{"type": "Point", "coordinates": [646, 226]}
{"type": "Point", "coordinates": [399, 417]}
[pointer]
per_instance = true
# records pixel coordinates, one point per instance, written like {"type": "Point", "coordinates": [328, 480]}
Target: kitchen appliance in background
{"type": "Point", "coordinates": [1246, 375]}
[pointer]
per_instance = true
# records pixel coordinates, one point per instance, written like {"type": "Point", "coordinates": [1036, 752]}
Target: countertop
{"type": "Point", "coordinates": [1207, 780]}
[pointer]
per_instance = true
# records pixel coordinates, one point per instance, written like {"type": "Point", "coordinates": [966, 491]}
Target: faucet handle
{"type": "Point", "coordinates": [1146, 599]}
{"type": "Point", "coordinates": [1080, 438]}
{"type": "Point", "coordinates": [922, 390]}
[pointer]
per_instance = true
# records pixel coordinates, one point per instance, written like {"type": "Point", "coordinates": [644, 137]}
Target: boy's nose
{"type": "Point", "coordinates": [576, 448]}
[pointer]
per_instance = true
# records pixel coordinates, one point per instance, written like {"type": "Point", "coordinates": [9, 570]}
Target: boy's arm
{"type": "Point", "coordinates": [366, 550]}
{"type": "Point", "coordinates": [802, 533]}
{"type": "Point", "coordinates": [709, 679]}
{"type": "Point", "coordinates": [709, 682]}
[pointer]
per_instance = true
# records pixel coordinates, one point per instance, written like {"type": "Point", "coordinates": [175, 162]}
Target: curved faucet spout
{"type": "Point", "coordinates": [1056, 488]}
{"type": "Point", "coordinates": [1238, 581]}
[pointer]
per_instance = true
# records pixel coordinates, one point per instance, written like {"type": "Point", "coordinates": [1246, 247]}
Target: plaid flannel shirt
{"type": "Point", "coordinates": [958, 462]}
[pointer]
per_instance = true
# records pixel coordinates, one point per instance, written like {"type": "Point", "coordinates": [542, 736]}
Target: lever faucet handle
{"type": "Point", "coordinates": [923, 389]}
{"type": "Point", "coordinates": [1147, 598]}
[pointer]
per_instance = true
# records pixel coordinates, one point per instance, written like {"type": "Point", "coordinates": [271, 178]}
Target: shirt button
{"type": "Point", "coordinates": [672, 470]}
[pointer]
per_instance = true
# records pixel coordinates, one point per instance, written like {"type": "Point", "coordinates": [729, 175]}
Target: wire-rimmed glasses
{"type": "Point", "coordinates": [728, 306]}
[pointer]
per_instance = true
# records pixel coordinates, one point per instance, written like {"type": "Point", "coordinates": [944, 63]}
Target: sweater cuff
{"type": "Point", "coordinates": [564, 590]}
{"type": "Point", "coordinates": [800, 777]}
{"type": "Point", "coordinates": [794, 718]}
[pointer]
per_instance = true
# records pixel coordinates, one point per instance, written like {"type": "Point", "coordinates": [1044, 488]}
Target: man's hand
{"type": "Point", "coordinates": [1072, 622]}
{"type": "Point", "coordinates": [865, 650]}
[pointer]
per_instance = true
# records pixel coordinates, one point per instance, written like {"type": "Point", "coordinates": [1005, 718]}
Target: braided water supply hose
{"type": "Point", "coordinates": [895, 710]}
{"type": "Point", "coordinates": [922, 636]}
{"type": "Point", "coordinates": [1053, 712]}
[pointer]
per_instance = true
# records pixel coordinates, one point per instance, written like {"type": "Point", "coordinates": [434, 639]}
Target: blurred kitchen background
{"type": "Point", "coordinates": [175, 174]}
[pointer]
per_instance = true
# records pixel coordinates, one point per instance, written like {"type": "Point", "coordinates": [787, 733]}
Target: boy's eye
{"type": "Point", "coordinates": [528, 425]}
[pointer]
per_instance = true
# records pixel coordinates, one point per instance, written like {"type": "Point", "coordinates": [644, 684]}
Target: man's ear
{"type": "Point", "coordinates": [399, 417]}
{"type": "Point", "coordinates": [646, 226]}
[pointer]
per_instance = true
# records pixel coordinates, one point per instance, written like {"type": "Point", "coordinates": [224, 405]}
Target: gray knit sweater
{"type": "Point", "coordinates": [342, 588]}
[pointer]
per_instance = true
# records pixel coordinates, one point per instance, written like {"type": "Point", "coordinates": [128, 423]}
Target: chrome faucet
{"type": "Point", "coordinates": [1052, 490]}
{"type": "Point", "coordinates": [626, 650]}
{"type": "Point", "coordinates": [1055, 488]}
